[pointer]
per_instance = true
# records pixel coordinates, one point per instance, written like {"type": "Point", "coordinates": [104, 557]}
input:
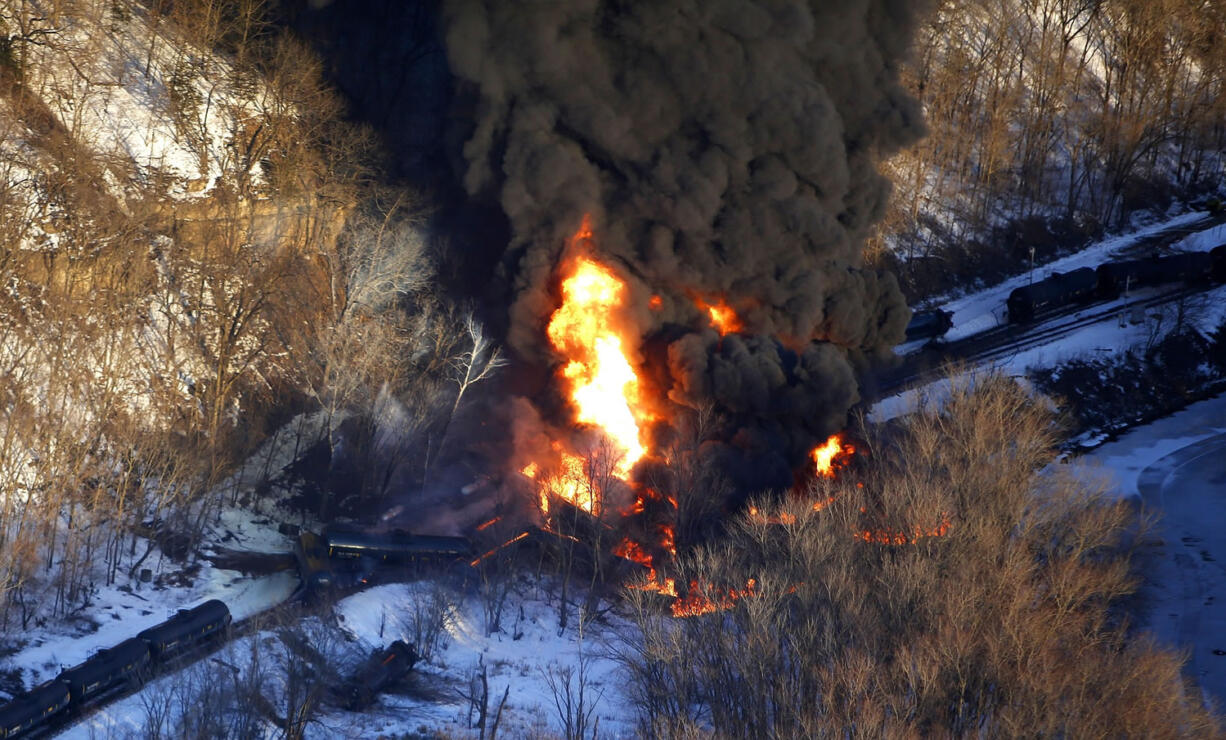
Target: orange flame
{"type": "Point", "coordinates": [487, 524]}
{"type": "Point", "coordinates": [695, 603]}
{"type": "Point", "coordinates": [600, 381]}
{"type": "Point", "coordinates": [831, 455]}
{"type": "Point", "coordinates": [603, 385]}
{"type": "Point", "coordinates": [783, 518]}
{"type": "Point", "coordinates": [508, 543]}
{"type": "Point", "coordinates": [570, 482]}
{"type": "Point", "coordinates": [723, 316]}
{"type": "Point", "coordinates": [668, 538]}
{"type": "Point", "coordinates": [634, 552]}
{"type": "Point", "coordinates": [888, 537]}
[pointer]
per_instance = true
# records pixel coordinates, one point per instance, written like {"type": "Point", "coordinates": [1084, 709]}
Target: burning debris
{"type": "Point", "coordinates": [707, 600]}
{"type": "Point", "coordinates": [898, 537]}
{"type": "Point", "coordinates": [688, 185]}
{"type": "Point", "coordinates": [831, 455]}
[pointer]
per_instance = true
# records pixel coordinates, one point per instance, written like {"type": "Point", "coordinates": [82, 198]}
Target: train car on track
{"type": "Point", "coordinates": [126, 663]}
{"type": "Point", "coordinates": [1191, 267]}
{"type": "Point", "coordinates": [1061, 289]}
{"type": "Point", "coordinates": [129, 663]}
{"type": "Point", "coordinates": [929, 324]}
{"type": "Point", "coordinates": [33, 708]}
{"type": "Point", "coordinates": [187, 629]}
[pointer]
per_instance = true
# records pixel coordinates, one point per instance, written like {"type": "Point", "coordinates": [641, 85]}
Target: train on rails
{"type": "Point", "coordinates": [130, 663]}
{"type": "Point", "coordinates": [320, 558]}
{"type": "Point", "coordinates": [1087, 284]}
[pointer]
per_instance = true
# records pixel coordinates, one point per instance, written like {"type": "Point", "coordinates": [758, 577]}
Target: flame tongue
{"type": "Point", "coordinates": [588, 329]}
{"type": "Point", "coordinates": [602, 382]}
{"type": "Point", "coordinates": [832, 455]}
{"type": "Point", "coordinates": [723, 317]}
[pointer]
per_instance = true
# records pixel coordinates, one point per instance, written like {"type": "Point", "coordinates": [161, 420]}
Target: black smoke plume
{"type": "Point", "coordinates": [723, 148]}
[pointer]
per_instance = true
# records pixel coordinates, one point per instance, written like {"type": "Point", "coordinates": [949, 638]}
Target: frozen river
{"type": "Point", "coordinates": [1178, 467]}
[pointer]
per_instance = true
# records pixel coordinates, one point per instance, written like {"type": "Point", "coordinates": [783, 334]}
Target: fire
{"type": "Point", "coordinates": [782, 518]}
{"type": "Point", "coordinates": [570, 481]}
{"type": "Point", "coordinates": [634, 552]}
{"type": "Point", "coordinates": [508, 543]}
{"type": "Point", "coordinates": [668, 538]}
{"type": "Point", "coordinates": [597, 376]}
{"type": "Point", "coordinates": [695, 603]}
{"type": "Point", "coordinates": [723, 316]}
{"type": "Point", "coordinates": [603, 385]}
{"type": "Point", "coordinates": [487, 524]}
{"type": "Point", "coordinates": [831, 455]}
{"type": "Point", "coordinates": [888, 537]}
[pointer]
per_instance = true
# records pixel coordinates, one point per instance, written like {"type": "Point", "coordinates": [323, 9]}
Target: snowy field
{"type": "Point", "coordinates": [520, 660]}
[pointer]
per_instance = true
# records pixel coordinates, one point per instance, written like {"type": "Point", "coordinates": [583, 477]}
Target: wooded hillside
{"type": "Point", "coordinates": [1049, 121]}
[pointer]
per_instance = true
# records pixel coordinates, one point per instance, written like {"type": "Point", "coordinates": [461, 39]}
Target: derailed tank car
{"type": "Point", "coordinates": [397, 546]}
{"type": "Point", "coordinates": [378, 672]}
{"type": "Point", "coordinates": [1061, 289]}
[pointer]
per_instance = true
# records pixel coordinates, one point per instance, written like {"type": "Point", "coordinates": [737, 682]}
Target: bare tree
{"type": "Point", "coordinates": [429, 618]}
{"type": "Point", "coordinates": [476, 362]}
{"type": "Point", "coordinates": [944, 596]}
{"type": "Point", "coordinates": [478, 696]}
{"type": "Point", "coordinates": [572, 693]}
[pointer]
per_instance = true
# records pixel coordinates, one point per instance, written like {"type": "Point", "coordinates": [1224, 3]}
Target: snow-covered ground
{"type": "Point", "coordinates": [1177, 466]}
{"type": "Point", "coordinates": [127, 606]}
{"type": "Point", "coordinates": [521, 658]}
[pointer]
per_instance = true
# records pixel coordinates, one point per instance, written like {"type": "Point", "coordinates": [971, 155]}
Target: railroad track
{"type": "Point", "coordinates": [1008, 339]}
{"type": "Point", "coordinates": [1144, 246]}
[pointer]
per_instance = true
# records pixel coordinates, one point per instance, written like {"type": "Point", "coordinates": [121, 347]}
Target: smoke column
{"type": "Point", "coordinates": [724, 148]}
